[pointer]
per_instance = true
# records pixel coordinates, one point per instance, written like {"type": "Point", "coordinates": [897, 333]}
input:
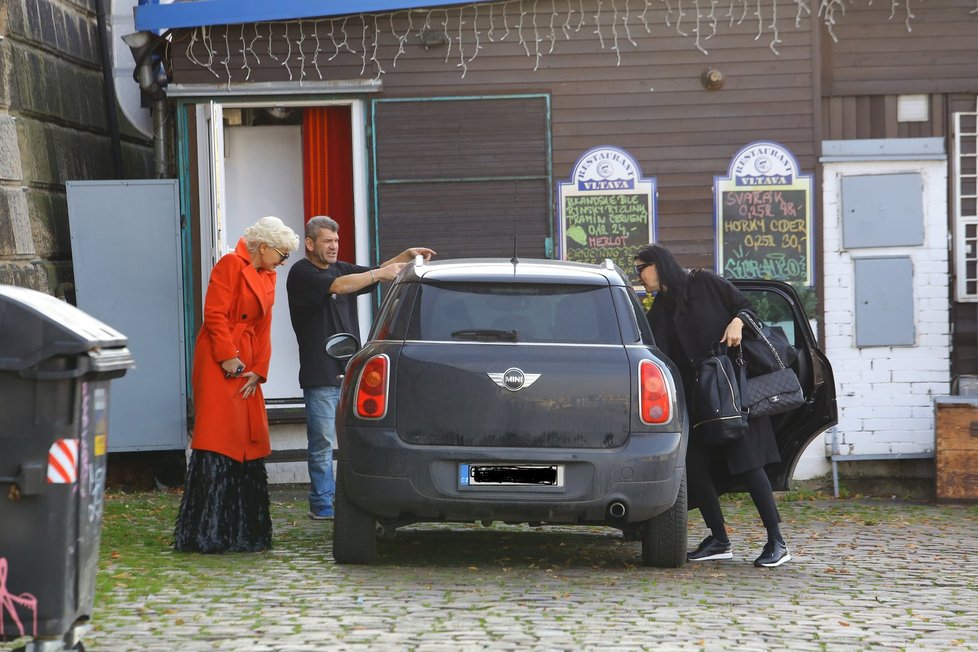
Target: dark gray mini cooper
{"type": "Point", "coordinates": [531, 392]}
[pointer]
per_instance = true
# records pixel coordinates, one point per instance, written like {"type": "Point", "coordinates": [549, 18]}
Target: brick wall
{"type": "Point", "coordinates": [885, 393]}
{"type": "Point", "coordinates": [53, 128]}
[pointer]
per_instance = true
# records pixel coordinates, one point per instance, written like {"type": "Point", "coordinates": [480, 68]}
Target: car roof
{"type": "Point", "coordinates": [525, 270]}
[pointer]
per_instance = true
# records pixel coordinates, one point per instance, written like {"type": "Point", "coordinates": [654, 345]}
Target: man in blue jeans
{"type": "Point", "coordinates": [322, 302]}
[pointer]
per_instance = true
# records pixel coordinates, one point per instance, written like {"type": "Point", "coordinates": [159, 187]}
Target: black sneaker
{"type": "Point", "coordinates": [711, 548]}
{"type": "Point", "coordinates": [774, 554]}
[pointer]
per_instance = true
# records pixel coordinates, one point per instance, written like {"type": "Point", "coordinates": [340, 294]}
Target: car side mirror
{"type": "Point", "coordinates": [341, 346]}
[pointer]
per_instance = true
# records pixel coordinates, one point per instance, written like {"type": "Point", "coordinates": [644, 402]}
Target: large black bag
{"type": "Point", "coordinates": [773, 392]}
{"type": "Point", "coordinates": [766, 348]}
{"type": "Point", "coordinates": [718, 416]}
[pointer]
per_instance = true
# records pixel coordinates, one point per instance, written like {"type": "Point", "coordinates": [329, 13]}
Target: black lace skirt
{"type": "Point", "coordinates": [224, 507]}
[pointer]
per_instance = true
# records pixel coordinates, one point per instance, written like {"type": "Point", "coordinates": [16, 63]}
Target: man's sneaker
{"type": "Point", "coordinates": [325, 515]}
{"type": "Point", "coordinates": [774, 554]}
{"type": "Point", "coordinates": [711, 548]}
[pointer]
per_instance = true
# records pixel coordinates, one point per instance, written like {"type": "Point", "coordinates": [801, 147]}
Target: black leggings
{"type": "Point", "coordinates": [704, 493]}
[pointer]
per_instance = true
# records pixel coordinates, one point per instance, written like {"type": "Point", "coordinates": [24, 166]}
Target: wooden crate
{"type": "Point", "coordinates": [956, 449]}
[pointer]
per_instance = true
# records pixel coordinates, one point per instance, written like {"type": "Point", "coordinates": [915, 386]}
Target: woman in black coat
{"type": "Point", "coordinates": [693, 310]}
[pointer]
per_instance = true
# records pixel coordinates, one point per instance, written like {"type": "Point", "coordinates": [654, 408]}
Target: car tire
{"type": "Point", "coordinates": [664, 536]}
{"type": "Point", "coordinates": [354, 530]}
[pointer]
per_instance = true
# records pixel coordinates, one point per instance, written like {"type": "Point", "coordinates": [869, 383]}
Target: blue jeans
{"type": "Point", "coordinates": [321, 433]}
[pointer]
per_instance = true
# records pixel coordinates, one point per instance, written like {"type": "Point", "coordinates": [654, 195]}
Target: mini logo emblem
{"type": "Point", "coordinates": [513, 379]}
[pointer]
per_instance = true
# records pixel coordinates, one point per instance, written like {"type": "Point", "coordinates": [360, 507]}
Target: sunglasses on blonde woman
{"type": "Point", "coordinates": [285, 257]}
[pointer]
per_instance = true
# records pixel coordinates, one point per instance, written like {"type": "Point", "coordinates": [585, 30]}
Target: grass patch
{"type": "Point", "coordinates": [136, 556]}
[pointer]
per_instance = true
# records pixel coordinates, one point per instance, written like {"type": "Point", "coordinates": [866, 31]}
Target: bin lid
{"type": "Point", "coordinates": [35, 326]}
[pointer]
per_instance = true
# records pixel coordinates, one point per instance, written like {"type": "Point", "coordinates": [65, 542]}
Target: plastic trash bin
{"type": "Point", "coordinates": [56, 364]}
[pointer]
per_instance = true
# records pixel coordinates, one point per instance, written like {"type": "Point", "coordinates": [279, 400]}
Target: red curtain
{"type": "Point", "coordinates": [327, 164]}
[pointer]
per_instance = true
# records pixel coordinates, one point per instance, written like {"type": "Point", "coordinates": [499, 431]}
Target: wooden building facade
{"type": "Point", "coordinates": [465, 117]}
{"type": "Point", "coordinates": [598, 83]}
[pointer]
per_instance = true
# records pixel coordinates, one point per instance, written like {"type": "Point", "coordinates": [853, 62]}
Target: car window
{"type": "Point", "coordinates": [507, 312]}
{"type": "Point", "coordinates": [774, 310]}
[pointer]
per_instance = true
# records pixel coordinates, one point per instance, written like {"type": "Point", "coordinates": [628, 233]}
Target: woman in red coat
{"type": "Point", "coordinates": [225, 504]}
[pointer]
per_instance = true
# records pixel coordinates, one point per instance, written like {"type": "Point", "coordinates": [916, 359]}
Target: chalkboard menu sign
{"type": "Point", "coordinates": [763, 217]}
{"type": "Point", "coordinates": [607, 210]}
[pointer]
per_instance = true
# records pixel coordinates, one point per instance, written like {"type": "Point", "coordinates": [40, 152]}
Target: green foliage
{"type": "Point", "coordinates": [773, 309]}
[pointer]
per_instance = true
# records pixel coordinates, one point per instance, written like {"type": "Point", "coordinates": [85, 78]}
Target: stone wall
{"type": "Point", "coordinates": [53, 129]}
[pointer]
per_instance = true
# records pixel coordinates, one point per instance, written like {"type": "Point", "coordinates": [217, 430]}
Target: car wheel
{"type": "Point", "coordinates": [664, 536]}
{"type": "Point", "coordinates": [354, 530]}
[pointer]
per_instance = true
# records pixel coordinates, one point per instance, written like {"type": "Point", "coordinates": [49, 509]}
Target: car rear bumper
{"type": "Point", "coordinates": [395, 480]}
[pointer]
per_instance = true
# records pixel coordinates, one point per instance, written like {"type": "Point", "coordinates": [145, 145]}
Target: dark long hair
{"type": "Point", "coordinates": [673, 279]}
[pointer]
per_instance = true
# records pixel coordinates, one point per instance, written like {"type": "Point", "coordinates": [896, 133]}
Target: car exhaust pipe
{"type": "Point", "coordinates": [617, 510]}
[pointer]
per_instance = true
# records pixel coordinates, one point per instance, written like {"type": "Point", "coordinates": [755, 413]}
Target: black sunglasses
{"type": "Point", "coordinates": [284, 256]}
{"type": "Point", "coordinates": [640, 268]}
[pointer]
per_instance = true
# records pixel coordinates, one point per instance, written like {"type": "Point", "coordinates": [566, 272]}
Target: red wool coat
{"type": "Point", "coordinates": [237, 323]}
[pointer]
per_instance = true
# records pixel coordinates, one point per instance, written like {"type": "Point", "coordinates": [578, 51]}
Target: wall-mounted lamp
{"type": "Point", "coordinates": [433, 38]}
{"type": "Point", "coordinates": [149, 74]}
{"type": "Point", "coordinates": [712, 79]}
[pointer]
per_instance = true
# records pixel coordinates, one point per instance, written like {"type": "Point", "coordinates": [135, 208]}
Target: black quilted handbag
{"type": "Point", "coordinates": [774, 392]}
{"type": "Point", "coordinates": [763, 347]}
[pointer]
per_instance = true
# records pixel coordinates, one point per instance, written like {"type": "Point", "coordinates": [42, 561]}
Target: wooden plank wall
{"type": "Point", "coordinates": [855, 117]}
{"type": "Point", "coordinates": [876, 55]}
{"type": "Point", "coordinates": [653, 103]}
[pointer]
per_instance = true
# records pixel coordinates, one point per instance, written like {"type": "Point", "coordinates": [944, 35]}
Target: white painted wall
{"type": "Point", "coordinates": [885, 393]}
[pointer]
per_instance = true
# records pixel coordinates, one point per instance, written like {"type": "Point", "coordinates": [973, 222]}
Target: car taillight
{"type": "Point", "coordinates": [655, 403]}
{"type": "Point", "coordinates": [372, 388]}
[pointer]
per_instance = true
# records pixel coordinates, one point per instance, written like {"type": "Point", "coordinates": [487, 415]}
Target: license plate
{"type": "Point", "coordinates": [511, 475]}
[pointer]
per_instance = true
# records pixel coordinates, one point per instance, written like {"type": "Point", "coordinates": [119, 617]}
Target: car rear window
{"type": "Point", "coordinates": [493, 312]}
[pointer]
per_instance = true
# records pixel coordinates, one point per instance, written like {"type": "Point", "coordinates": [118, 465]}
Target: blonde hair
{"type": "Point", "coordinates": [272, 231]}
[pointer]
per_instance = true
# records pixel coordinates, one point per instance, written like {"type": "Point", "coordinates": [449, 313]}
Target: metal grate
{"type": "Point", "coordinates": [965, 177]}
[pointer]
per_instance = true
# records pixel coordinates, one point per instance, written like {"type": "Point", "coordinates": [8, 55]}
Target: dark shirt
{"type": "Point", "coordinates": [317, 314]}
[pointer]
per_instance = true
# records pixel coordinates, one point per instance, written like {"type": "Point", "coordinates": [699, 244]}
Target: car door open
{"type": "Point", "coordinates": [778, 305]}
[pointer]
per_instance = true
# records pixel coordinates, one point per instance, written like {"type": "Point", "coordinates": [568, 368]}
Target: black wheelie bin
{"type": "Point", "coordinates": [56, 364]}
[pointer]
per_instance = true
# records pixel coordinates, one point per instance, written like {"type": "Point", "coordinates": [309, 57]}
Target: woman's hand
{"type": "Point", "coordinates": [232, 367]}
{"type": "Point", "coordinates": [250, 386]}
{"type": "Point", "coordinates": [733, 333]}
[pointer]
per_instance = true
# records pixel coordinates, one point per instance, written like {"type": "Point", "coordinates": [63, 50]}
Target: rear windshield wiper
{"type": "Point", "coordinates": [484, 335]}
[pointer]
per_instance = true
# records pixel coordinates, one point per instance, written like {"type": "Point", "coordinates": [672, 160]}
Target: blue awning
{"type": "Point", "coordinates": [197, 13]}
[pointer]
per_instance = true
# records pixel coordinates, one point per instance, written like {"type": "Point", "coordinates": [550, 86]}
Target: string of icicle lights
{"type": "Point", "coordinates": [466, 29]}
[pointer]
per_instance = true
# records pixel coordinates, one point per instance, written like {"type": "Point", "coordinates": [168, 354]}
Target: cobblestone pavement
{"type": "Point", "coordinates": [871, 574]}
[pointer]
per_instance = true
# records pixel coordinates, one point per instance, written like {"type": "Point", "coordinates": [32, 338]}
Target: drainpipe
{"type": "Point", "coordinates": [142, 45]}
{"type": "Point", "coordinates": [161, 140]}
{"type": "Point", "coordinates": [108, 88]}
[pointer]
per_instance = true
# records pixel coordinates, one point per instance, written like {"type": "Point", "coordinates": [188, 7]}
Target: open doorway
{"type": "Point", "coordinates": [294, 161]}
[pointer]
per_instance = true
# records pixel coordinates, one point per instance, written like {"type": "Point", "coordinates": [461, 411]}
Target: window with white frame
{"type": "Point", "coordinates": [965, 175]}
